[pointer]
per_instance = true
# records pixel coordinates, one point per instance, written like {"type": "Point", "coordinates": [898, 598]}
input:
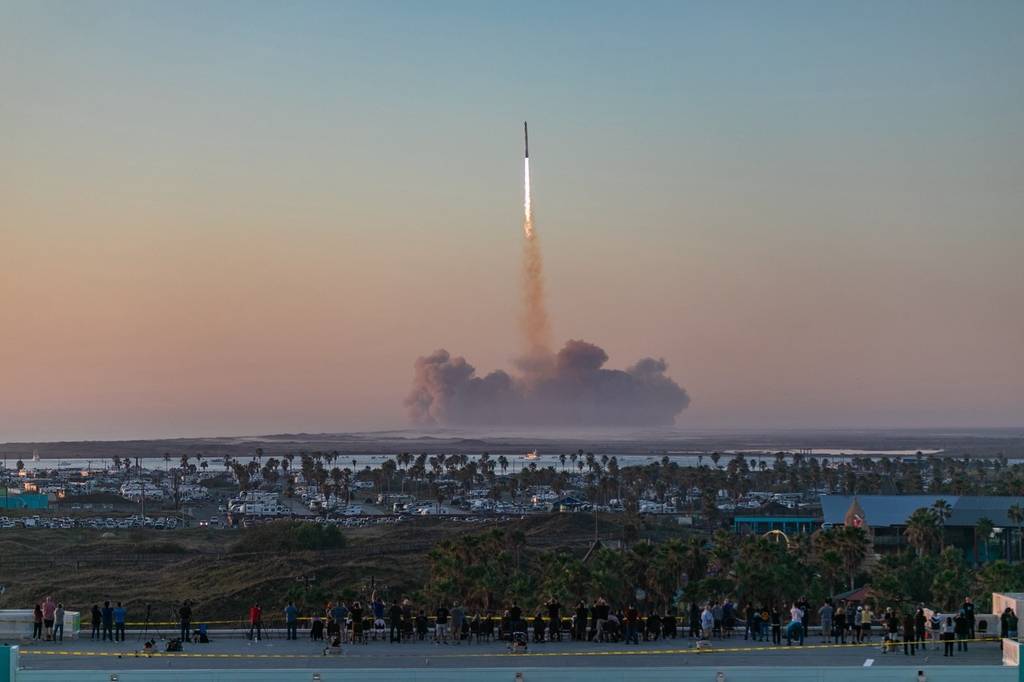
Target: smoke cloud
{"type": "Point", "coordinates": [573, 388]}
{"type": "Point", "coordinates": [568, 388]}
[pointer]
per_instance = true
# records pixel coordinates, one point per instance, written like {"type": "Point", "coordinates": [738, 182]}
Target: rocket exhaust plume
{"type": "Point", "coordinates": [536, 326]}
{"type": "Point", "coordinates": [569, 388]}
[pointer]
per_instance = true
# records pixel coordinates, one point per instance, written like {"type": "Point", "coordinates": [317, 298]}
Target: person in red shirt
{"type": "Point", "coordinates": [632, 625]}
{"type": "Point", "coordinates": [256, 621]}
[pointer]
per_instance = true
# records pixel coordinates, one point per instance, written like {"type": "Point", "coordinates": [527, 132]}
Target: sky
{"type": "Point", "coordinates": [252, 217]}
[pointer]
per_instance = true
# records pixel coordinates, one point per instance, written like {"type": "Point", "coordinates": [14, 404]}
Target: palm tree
{"type": "Point", "coordinates": [983, 529]}
{"type": "Point", "coordinates": [922, 530]}
{"type": "Point", "coordinates": [942, 512]}
{"type": "Point", "coordinates": [852, 545]}
{"type": "Point", "coordinates": [1016, 515]}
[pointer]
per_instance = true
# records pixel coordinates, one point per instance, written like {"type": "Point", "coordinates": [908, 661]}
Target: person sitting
{"type": "Point", "coordinates": [421, 625]}
{"type": "Point", "coordinates": [613, 627]}
{"type": "Point", "coordinates": [334, 647]}
{"type": "Point", "coordinates": [149, 647]}
{"type": "Point", "coordinates": [652, 627]}
{"type": "Point", "coordinates": [538, 627]}
{"type": "Point", "coordinates": [668, 626]}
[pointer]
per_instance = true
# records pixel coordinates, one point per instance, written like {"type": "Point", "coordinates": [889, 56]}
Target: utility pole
{"type": "Point", "coordinates": [142, 498]}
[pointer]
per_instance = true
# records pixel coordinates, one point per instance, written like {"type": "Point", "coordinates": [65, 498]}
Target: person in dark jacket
{"type": "Point", "coordinates": [652, 626]}
{"type": "Point", "coordinates": [107, 613]}
{"type": "Point", "coordinates": [967, 609]}
{"type": "Point", "coordinates": [185, 617]}
{"type": "Point", "coordinates": [668, 625]}
{"type": "Point", "coordinates": [37, 622]}
{"type": "Point", "coordinates": [97, 621]}
{"type": "Point", "coordinates": [1007, 623]}
{"type": "Point", "coordinates": [395, 622]}
{"type": "Point", "coordinates": [579, 625]}
{"type": "Point", "coordinates": [909, 636]}
{"type": "Point", "coordinates": [839, 632]}
{"type": "Point", "coordinates": [554, 609]}
{"type": "Point", "coordinates": [538, 627]}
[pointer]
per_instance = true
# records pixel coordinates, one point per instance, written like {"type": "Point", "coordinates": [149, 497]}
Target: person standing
{"type": "Point", "coordinates": [49, 606]}
{"type": "Point", "coordinates": [707, 623]}
{"type": "Point", "coordinates": [407, 620]}
{"type": "Point", "coordinates": [865, 624]}
{"type": "Point", "coordinates": [37, 622]}
{"type": "Point", "coordinates": [797, 613]}
{"type": "Point", "coordinates": [458, 618]}
{"type": "Point", "coordinates": [441, 625]}
{"type": "Point", "coordinates": [58, 623]}
{"type": "Point", "coordinates": [185, 618]}
{"type": "Point", "coordinates": [948, 632]}
{"type": "Point", "coordinates": [968, 610]}
{"type": "Point", "coordinates": [805, 611]}
{"type": "Point", "coordinates": [356, 616]}
{"type": "Point", "coordinates": [920, 626]}
{"type": "Point", "coordinates": [97, 620]}
{"type": "Point", "coordinates": [632, 623]}
{"type": "Point", "coordinates": [961, 629]}
{"type": "Point", "coordinates": [840, 625]}
{"type": "Point", "coordinates": [579, 624]}
{"type": "Point", "coordinates": [107, 614]}
{"type": "Point", "coordinates": [909, 635]}
{"type": "Point", "coordinates": [291, 621]}
{"type": "Point", "coordinates": [601, 611]}
{"type": "Point", "coordinates": [825, 616]}
{"type": "Point", "coordinates": [1005, 618]}
{"type": "Point", "coordinates": [776, 626]}
{"type": "Point", "coordinates": [748, 621]}
{"type": "Point", "coordinates": [337, 615]}
{"type": "Point", "coordinates": [395, 622]}
{"type": "Point", "coordinates": [554, 619]}
{"type": "Point", "coordinates": [256, 622]}
{"type": "Point", "coordinates": [120, 616]}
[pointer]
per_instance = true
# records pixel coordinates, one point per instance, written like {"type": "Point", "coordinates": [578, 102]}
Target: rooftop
{"type": "Point", "coordinates": [894, 510]}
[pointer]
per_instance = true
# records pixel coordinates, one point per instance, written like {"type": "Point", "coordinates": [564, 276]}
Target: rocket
{"type": "Point", "coordinates": [526, 139]}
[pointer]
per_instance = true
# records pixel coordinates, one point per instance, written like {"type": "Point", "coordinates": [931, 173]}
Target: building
{"type": "Point", "coordinates": [15, 500]}
{"type": "Point", "coordinates": [885, 519]}
{"type": "Point", "coordinates": [790, 525]}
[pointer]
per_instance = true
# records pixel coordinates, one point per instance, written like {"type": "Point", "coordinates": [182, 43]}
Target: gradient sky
{"type": "Point", "coordinates": [245, 217]}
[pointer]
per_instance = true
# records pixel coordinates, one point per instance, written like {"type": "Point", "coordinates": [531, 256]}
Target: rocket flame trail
{"type": "Point", "coordinates": [528, 217]}
{"type": "Point", "coordinates": [535, 319]}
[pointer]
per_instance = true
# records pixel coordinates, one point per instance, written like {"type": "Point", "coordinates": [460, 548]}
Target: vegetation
{"type": "Point", "coordinates": [288, 536]}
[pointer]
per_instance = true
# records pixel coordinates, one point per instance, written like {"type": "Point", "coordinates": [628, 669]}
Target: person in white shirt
{"type": "Point", "coordinates": [707, 623]}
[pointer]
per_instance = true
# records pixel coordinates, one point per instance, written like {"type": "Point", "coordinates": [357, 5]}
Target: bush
{"type": "Point", "coordinates": [159, 548]}
{"type": "Point", "coordinates": [289, 536]}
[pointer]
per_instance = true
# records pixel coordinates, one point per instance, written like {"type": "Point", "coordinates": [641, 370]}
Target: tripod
{"type": "Point", "coordinates": [145, 629]}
